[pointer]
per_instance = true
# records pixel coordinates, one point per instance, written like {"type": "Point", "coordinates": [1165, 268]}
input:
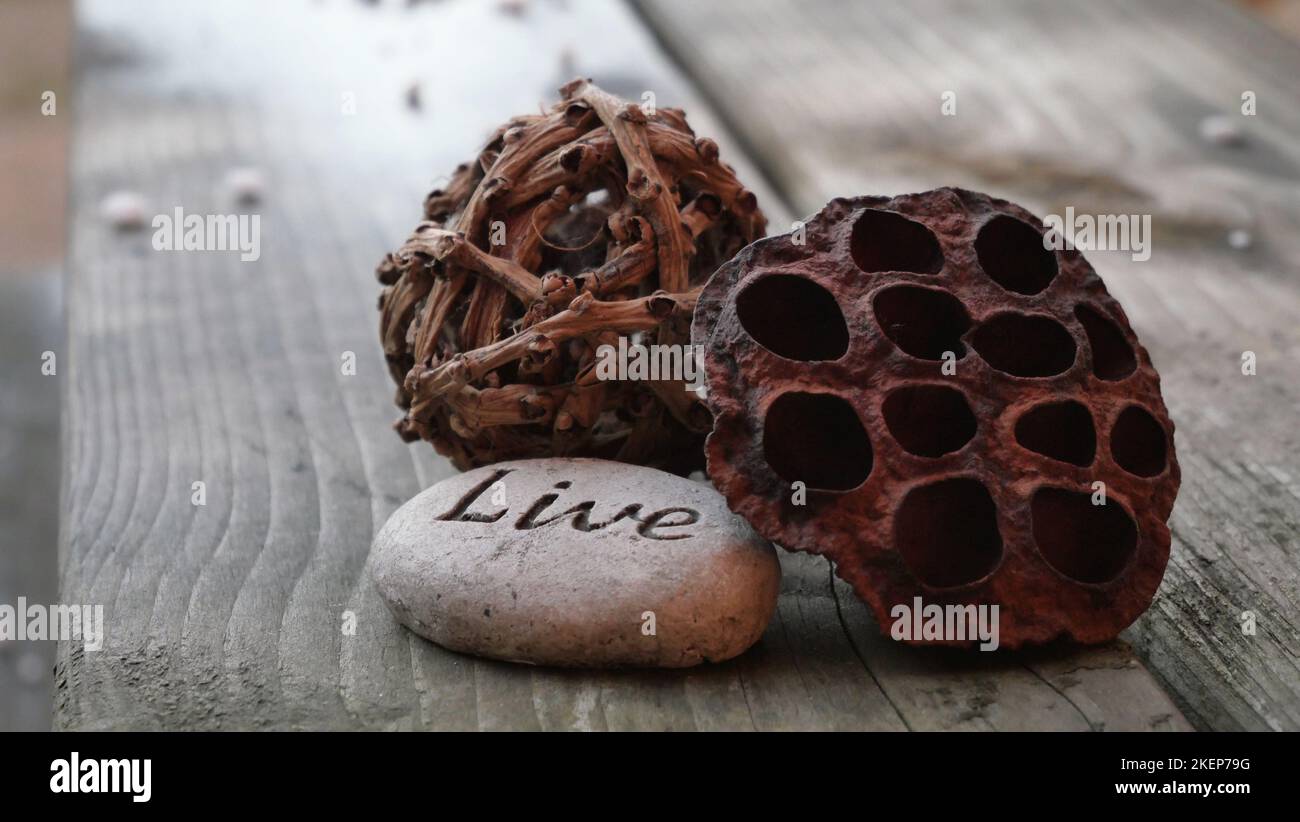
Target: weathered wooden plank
{"type": "Point", "coordinates": [196, 367]}
{"type": "Point", "coordinates": [1098, 106]}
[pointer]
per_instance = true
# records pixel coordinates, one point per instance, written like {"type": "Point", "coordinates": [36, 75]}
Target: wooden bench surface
{"type": "Point", "coordinates": [196, 367]}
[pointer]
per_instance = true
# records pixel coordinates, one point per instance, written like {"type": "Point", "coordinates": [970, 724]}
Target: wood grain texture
{"type": "Point", "coordinates": [195, 366]}
{"type": "Point", "coordinates": [1096, 106]}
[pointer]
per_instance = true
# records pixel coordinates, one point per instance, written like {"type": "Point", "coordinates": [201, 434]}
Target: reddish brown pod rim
{"type": "Point", "coordinates": [949, 392]}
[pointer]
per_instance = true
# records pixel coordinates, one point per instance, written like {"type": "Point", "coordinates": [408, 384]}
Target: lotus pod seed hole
{"type": "Point", "coordinates": [816, 439]}
{"type": "Point", "coordinates": [793, 317]}
{"type": "Point", "coordinates": [1011, 252]}
{"type": "Point", "coordinates": [929, 420]}
{"type": "Point", "coordinates": [1060, 430]}
{"type": "Point", "coordinates": [923, 322]}
{"type": "Point", "coordinates": [1025, 345]}
{"type": "Point", "coordinates": [1112, 356]}
{"type": "Point", "coordinates": [1085, 542]}
{"type": "Point", "coordinates": [947, 533]}
{"type": "Point", "coordinates": [887, 241]}
{"type": "Point", "coordinates": [1137, 442]}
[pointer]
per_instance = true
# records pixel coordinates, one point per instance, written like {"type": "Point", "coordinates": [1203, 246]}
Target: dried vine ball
{"type": "Point", "coordinates": [593, 220]}
{"type": "Point", "coordinates": [826, 366]}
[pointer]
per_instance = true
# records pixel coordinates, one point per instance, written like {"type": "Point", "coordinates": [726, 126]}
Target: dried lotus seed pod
{"type": "Point", "coordinates": [955, 398]}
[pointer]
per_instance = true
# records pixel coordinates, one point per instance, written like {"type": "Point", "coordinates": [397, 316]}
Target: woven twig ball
{"type": "Point", "coordinates": [597, 219]}
{"type": "Point", "coordinates": [969, 415]}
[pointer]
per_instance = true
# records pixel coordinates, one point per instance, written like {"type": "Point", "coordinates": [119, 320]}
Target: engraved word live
{"type": "Point", "coordinates": [650, 526]}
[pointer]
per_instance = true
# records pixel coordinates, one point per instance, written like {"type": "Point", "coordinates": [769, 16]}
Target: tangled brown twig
{"type": "Point", "coordinates": [595, 220]}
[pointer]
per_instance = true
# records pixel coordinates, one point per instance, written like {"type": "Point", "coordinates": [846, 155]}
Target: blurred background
{"type": "Point", "coordinates": [35, 56]}
{"type": "Point", "coordinates": [38, 50]}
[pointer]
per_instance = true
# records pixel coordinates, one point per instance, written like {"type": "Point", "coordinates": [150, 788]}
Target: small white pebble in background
{"type": "Point", "coordinates": [246, 185]}
{"type": "Point", "coordinates": [124, 210]}
{"type": "Point", "coordinates": [1240, 239]}
{"type": "Point", "coordinates": [1220, 130]}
